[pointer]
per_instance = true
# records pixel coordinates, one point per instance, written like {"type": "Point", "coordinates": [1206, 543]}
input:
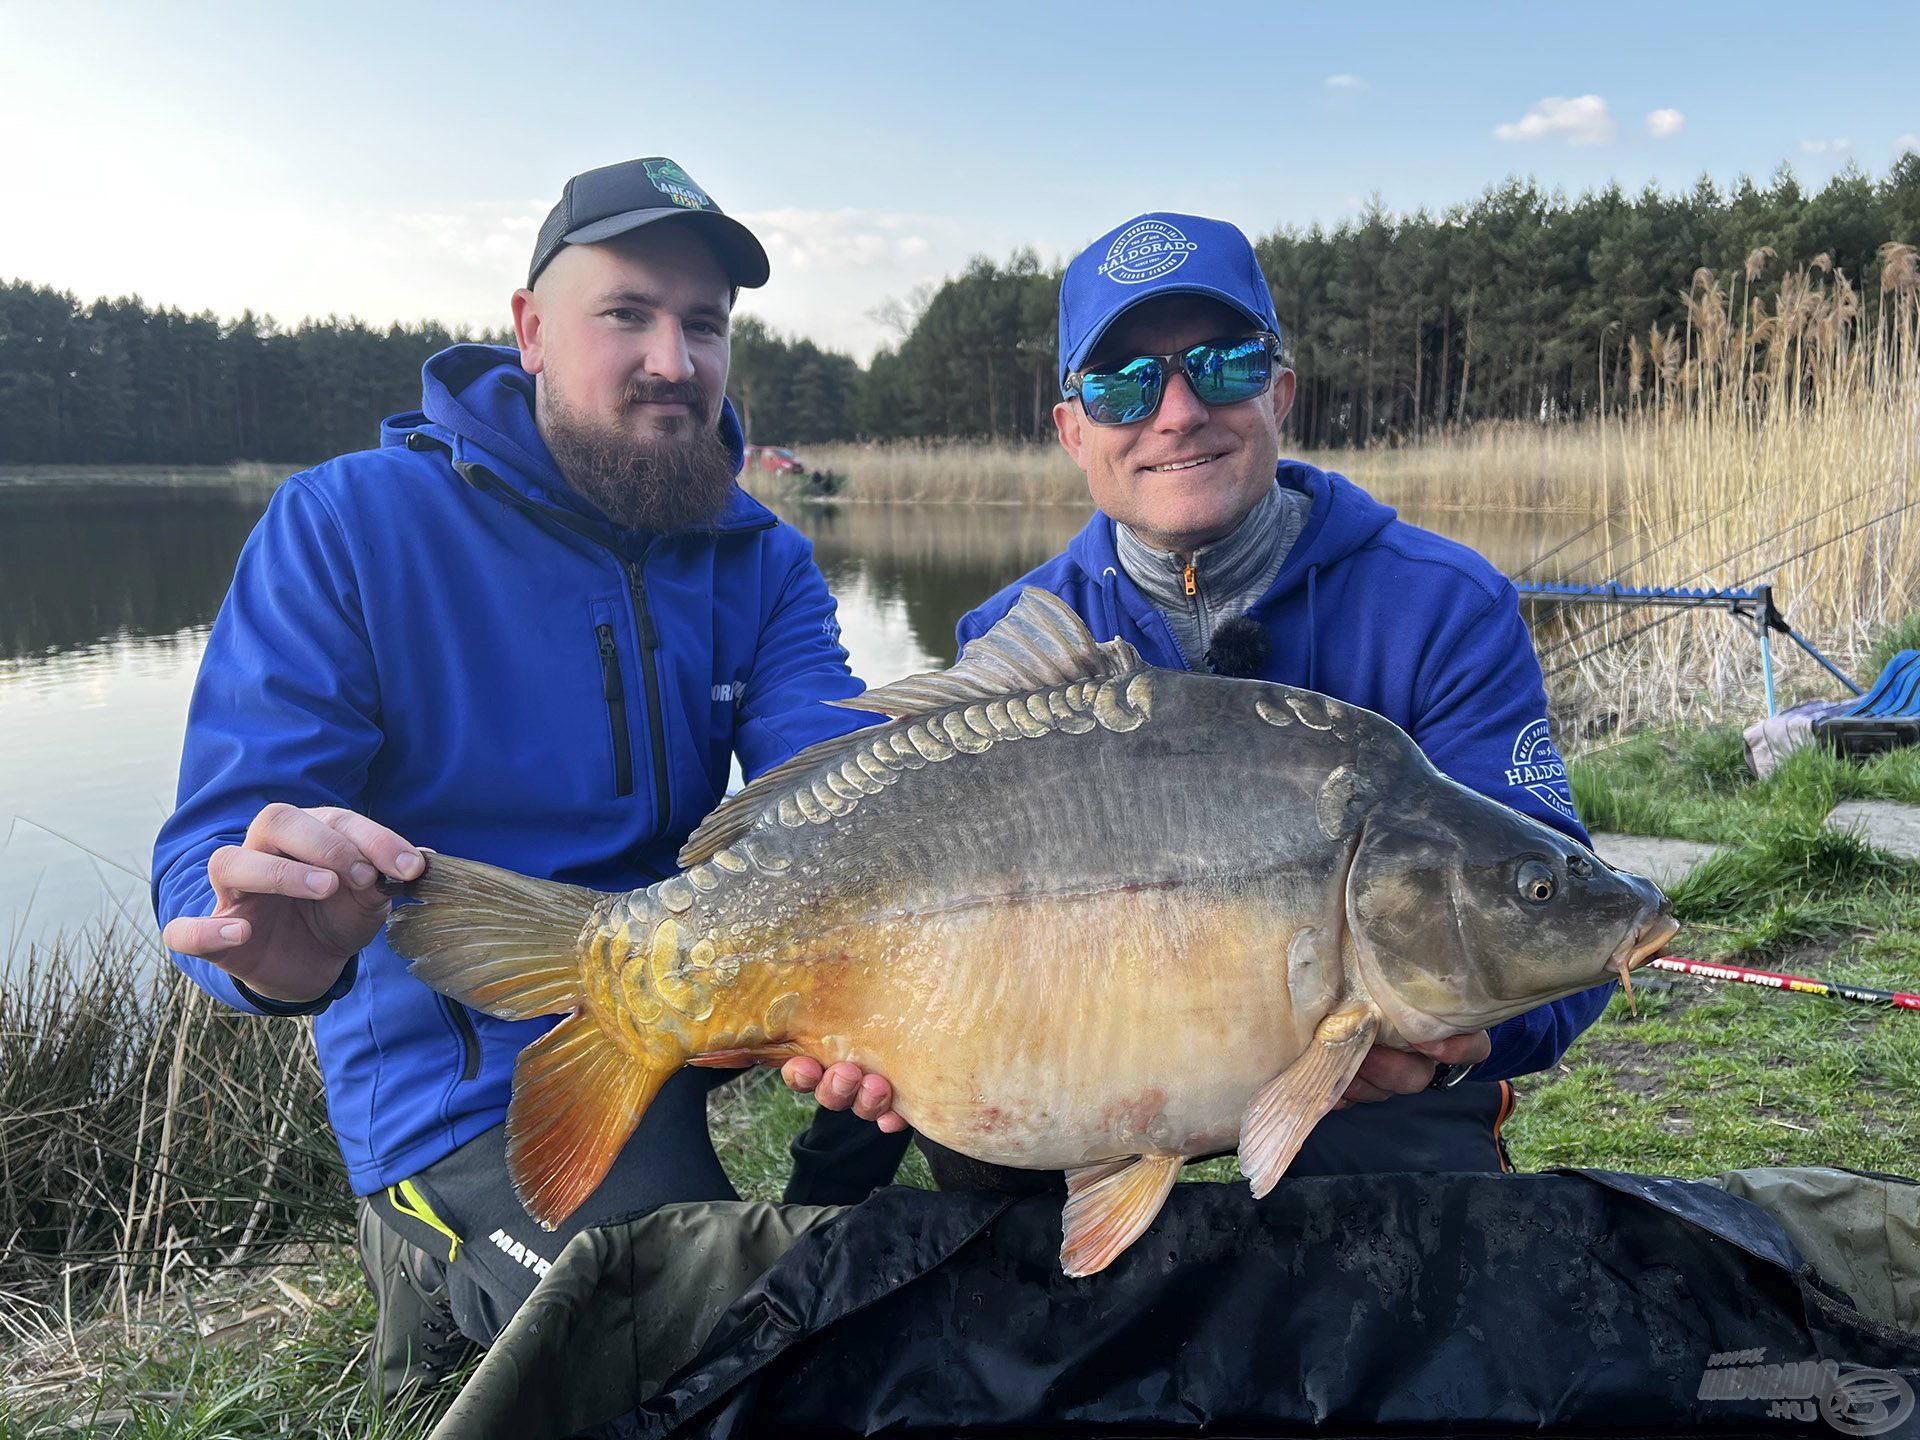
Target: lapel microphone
{"type": "Point", "coordinates": [1240, 648]}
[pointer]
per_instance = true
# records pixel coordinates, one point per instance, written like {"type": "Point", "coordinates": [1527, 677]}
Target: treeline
{"type": "Point", "coordinates": [1522, 304]}
{"type": "Point", "coordinates": [119, 382]}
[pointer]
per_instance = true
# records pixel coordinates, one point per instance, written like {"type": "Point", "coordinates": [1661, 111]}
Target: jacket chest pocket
{"type": "Point", "coordinates": [613, 690]}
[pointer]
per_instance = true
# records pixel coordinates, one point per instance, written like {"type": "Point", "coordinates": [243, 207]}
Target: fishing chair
{"type": "Point", "coordinates": [1887, 717]}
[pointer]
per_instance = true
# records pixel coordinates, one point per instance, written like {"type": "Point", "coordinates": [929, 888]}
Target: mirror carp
{"type": "Point", "coordinates": [1083, 913]}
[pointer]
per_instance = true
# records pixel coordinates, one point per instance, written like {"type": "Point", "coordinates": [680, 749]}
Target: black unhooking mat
{"type": "Point", "coordinates": [1572, 1303]}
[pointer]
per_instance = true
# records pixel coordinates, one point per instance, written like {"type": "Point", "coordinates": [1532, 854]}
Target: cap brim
{"type": "Point", "coordinates": [1087, 346]}
{"type": "Point", "coordinates": [741, 254]}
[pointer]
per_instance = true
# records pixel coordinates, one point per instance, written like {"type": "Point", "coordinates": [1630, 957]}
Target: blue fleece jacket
{"type": "Point", "coordinates": [1393, 618]}
{"type": "Point", "coordinates": [442, 635]}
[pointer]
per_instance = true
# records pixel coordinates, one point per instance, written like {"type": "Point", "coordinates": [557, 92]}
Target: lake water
{"type": "Point", "coordinates": [108, 585]}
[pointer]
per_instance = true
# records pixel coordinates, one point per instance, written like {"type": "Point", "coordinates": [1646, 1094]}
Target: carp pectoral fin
{"type": "Point", "coordinates": [576, 1099]}
{"type": "Point", "coordinates": [1109, 1206]}
{"type": "Point", "coordinates": [1292, 1103]}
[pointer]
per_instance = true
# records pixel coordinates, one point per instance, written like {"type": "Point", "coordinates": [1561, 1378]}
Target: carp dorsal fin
{"type": "Point", "coordinates": [733, 817]}
{"type": "Point", "coordinates": [1038, 644]}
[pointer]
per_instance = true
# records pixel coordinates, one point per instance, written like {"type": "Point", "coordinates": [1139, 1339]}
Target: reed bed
{"type": "Point", "coordinates": [148, 1133]}
{"type": "Point", "coordinates": [1774, 441]}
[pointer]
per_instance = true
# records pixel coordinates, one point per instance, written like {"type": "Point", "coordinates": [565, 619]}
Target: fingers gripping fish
{"type": "Point", "coordinates": [1083, 913]}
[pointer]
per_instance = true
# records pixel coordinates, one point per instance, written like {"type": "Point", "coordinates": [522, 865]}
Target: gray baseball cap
{"type": "Point", "coordinates": [600, 204]}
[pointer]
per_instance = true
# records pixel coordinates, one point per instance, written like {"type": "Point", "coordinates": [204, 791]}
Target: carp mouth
{"type": "Point", "coordinates": [1649, 937]}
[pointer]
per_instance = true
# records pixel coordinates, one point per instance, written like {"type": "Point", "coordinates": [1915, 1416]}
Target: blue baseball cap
{"type": "Point", "coordinates": [1157, 254]}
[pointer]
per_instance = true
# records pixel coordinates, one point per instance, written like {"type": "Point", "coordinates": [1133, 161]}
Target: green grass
{"type": "Point", "coordinates": [1714, 1077]}
{"type": "Point", "coordinates": [1904, 636]}
{"type": "Point", "coordinates": [229, 1355]}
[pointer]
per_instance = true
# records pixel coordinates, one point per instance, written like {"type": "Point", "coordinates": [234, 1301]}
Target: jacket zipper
{"type": "Point", "coordinates": [613, 687]}
{"type": "Point", "coordinates": [485, 480]}
{"type": "Point", "coordinates": [650, 678]}
{"type": "Point", "coordinates": [1191, 582]}
{"type": "Point", "coordinates": [469, 1037]}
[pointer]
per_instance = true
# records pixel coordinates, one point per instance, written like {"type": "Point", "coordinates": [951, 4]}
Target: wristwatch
{"type": "Point", "coordinates": [1447, 1074]}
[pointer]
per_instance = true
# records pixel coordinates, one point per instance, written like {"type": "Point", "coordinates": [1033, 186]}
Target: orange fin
{"type": "Point", "coordinates": [739, 1057]}
{"type": "Point", "coordinates": [1109, 1206]}
{"type": "Point", "coordinates": [576, 1099]}
{"type": "Point", "coordinates": [1291, 1104]}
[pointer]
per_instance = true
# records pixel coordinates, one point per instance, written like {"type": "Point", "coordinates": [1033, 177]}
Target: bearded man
{"type": "Point", "coordinates": [535, 626]}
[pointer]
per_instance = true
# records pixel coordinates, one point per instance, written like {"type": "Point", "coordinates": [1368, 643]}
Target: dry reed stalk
{"type": "Point", "coordinates": [144, 1127]}
{"type": "Point", "coordinates": [1785, 454]}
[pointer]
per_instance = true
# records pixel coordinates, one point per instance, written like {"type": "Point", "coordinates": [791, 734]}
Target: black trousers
{"type": "Point", "coordinates": [462, 1212]}
{"type": "Point", "coordinates": [1437, 1132]}
{"type": "Point", "coordinates": [489, 1253]}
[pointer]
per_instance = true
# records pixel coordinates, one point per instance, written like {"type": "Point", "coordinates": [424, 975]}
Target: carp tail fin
{"type": "Point", "coordinates": [577, 1099]}
{"type": "Point", "coordinates": [1109, 1206]}
{"type": "Point", "coordinates": [1288, 1106]}
{"type": "Point", "coordinates": [513, 947]}
{"type": "Point", "coordinates": [500, 942]}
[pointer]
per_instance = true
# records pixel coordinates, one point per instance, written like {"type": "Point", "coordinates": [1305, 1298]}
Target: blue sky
{"type": "Point", "coordinates": [393, 161]}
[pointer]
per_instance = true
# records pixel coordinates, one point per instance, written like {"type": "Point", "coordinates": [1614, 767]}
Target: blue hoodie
{"type": "Point", "coordinates": [442, 635]}
{"type": "Point", "coordinates": [1399, 621]}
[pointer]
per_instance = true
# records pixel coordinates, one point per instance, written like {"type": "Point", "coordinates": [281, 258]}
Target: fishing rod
{"type": "Point", "coordinates": [1539, 560]}
{"type": "Point", "coordinates": [1667, 619]}
{"type": "Point", "coordinates": [1636, 558]}
{"type": "Point", "coordinates": [1797, 984]}
{"type": "Point", "coordinates": [1748, 549]}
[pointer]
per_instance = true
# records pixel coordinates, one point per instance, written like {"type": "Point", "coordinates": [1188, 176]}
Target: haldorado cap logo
{"type": "Point", "coordinates": [1146, 251]}
{"type": "Point", "coordinates": [674, 183]}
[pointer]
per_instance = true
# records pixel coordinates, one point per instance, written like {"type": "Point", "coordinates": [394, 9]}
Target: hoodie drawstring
{"type": "Point", "coordinates": [1313, 628]}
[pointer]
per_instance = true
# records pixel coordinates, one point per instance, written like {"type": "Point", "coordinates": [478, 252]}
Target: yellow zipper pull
{"type": "Point", "coordinates": [1192, 585]}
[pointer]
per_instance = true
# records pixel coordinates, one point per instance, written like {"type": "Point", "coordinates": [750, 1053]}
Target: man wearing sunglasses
{"type": "Point", "coordinates": [1208, 551]}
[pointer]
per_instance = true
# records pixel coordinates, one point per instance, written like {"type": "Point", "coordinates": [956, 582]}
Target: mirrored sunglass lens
{"type": "Point", "coordinates": [1224, 374]}
{"type": "Point", "coordinates": [1119, 397]}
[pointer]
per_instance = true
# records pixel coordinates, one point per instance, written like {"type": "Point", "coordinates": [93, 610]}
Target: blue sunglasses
{"type": "Point", "coordinates": [1221, 372]}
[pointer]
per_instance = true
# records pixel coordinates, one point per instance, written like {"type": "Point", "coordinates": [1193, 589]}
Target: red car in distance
{"type": "Point", "coordinates": [775, 459]}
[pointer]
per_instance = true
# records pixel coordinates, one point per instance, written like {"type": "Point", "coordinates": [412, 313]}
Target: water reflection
{"type": "Point", "coordinates": [933, 562]}
{"type": "Point", "coordinates": [110, 582]}
{"type": "Point", "coordinates": [107, 557]}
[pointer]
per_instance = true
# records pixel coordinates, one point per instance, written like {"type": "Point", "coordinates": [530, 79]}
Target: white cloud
{"type": "Point", "coordinates": [1907, 144]}
{"type": "Point", "coordinates": [1824, 147]}
{"type": "Point", "coordinates": [1583, 120]}
{"type": "Point", "coordinates": [832, 267]}
{"type": "Point", "coordinates": [492, 239]}
{"type": "Point", "coordinates": [1664, 123]}
{"type": "Point", "coordinates": [830, 239]}
{"type": "Point", "coordinates": [1345, 82]}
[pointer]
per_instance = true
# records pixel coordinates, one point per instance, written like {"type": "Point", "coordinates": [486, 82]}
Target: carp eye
{"type": "Point", "coordinates": [1536, 882]}
{"type": "Point", "coordinates": [1579, 866]}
